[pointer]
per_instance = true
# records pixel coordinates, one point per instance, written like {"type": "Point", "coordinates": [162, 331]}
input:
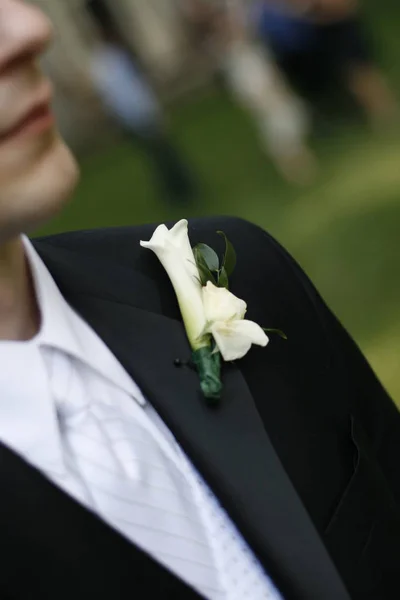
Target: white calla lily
{"type": "Point", "coordinates": [233, 334]}
{"type": "Point", "coordinates": [173, 249]}
{"type": "Point", "coordinates": [206, 311]}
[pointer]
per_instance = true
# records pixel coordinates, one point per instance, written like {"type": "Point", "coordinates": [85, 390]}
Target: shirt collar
{"type": "Point", "coordinates": [55, 329]}
{"type": "Point", "coordinates": [28, 421]}
{"type": "Point", "coordinates": [62, 328]}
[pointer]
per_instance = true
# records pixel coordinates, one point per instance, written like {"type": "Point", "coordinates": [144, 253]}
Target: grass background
{"type": "Point", "coordinates": [344, 229]}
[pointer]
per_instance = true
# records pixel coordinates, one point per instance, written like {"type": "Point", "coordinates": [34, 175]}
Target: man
{"type": "Point", "coordinates": [132, 104]}
{"type": "Point", "coordinates": [317, 42]}
{"type": "Point", "coordinates": [255, 83]}
{"type": "Point", "coordinates": [117, 480]}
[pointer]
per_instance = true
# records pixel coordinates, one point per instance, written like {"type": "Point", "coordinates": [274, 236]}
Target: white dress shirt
{"type": "Point", "coordinates": [46, 383]}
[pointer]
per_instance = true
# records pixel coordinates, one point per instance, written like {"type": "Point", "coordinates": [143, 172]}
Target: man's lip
{"type": "Point", "coordinates": [39, 110]}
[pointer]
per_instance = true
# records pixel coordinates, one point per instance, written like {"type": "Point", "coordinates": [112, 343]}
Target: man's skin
{"type": "Point", "coordinates": [37, 171]}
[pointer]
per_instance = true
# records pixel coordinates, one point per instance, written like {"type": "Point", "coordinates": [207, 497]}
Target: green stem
{"type": "Point", "coordinates": [208, 365]}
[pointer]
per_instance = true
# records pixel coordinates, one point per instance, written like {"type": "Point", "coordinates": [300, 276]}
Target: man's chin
{"type": "Point", "coordinates": [41, 192]}
{"type": "Point", "coordinates": [65, 173]}
{"type": "Point", "coordinates": [56, 181]}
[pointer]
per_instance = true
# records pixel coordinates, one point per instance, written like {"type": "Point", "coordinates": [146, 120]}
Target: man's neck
{"type": "Point", "coordinates": [19, 314]}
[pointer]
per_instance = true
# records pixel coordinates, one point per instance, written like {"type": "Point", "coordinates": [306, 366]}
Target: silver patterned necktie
{"type": "Point", "coordinates": [147, 489]}
{"type": "Point", "coordinates": [130, 479]}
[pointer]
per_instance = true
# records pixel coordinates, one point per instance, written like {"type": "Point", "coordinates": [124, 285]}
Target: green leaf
{"type": "Point", "coordinates": [229, 260]}
{"type": "Point", "coordinates": [204, 272]}
{"type": "Point", "coordinates": [209, 255]}
{"type": "Point", "coordinates": [223, 280]}
{"type": "Point", "coordinates": [277, 331]}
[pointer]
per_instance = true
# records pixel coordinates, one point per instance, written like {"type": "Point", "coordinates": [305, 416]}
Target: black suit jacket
{"type": "Point", "coordinates": [303, 452]}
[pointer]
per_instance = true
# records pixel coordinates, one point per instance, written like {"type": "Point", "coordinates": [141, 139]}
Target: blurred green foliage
{"type": "Point", "coordinates": [344, 229]}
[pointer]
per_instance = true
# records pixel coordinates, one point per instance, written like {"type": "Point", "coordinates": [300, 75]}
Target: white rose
{"type": "Point", "coordinates": [173, 249]}
{"type": "Point", "coordinates": [224, 313]}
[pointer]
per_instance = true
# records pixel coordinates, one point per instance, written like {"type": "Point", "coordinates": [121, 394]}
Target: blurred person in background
{"type": "Point", "coordinates": [117, 480]}
{"type": "Point", "coordinates": [320, 42]}
{"type": "Point", "coordinates": [256, 84]}
{"type": "Point", "coordinates": [132, 103]}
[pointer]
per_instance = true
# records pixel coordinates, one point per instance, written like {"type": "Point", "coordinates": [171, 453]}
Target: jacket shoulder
{"type": "Point", "coordinates": [122, 244]}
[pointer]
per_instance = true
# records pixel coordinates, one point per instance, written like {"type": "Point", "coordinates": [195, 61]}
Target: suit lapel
{"type": "Point", "coordinates": [228, 444]}
{"type": "Point", "coordinates": [58, 549]}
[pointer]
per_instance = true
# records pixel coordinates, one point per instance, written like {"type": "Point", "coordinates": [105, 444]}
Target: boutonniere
{"type": "Point", "coordinates": [214, 318]}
